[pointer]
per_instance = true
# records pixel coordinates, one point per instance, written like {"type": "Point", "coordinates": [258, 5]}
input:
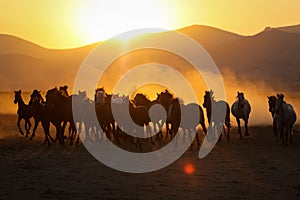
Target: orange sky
{"type": "Point", "coordinates": [73, 23]}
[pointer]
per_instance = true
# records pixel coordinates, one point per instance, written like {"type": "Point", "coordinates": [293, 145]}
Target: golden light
{"type": "Point", "coordinates": [189, 169]}
{"type": "Point", "coordinates": [100, 20]}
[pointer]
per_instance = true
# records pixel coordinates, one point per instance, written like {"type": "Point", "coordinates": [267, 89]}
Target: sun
{"type": "Point", "coordinates": [94, 21]}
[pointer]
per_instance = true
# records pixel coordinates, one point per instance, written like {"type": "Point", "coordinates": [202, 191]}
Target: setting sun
{"type": "Point", "coordinates": [97, 20]}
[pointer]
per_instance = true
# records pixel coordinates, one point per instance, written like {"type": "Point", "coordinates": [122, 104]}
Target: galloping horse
{"type": "Point", "coordinates": [241, 110]}
{"type": "Point", "coordinates": [286, 117]}
{"type": "Point", "coordinates": [209, 103]}
{"type": "Point", "coordinates": [272, 106]}
{"type": "Point", "coordinates": [40, 114]}
{"type": "Point", "coordinates": [183, 116]}
{"type": "Point", "coordinates": [164, 99]}
{"type": "Point", "coordinates": [104, 112]}
{"type": "Point", "coordinates": [59, 109]}
{"type": "Point", "coordinates": [24, 112]}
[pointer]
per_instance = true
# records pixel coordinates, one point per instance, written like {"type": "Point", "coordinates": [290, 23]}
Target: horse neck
{"type": "Point", "coordinates": [21, 102]}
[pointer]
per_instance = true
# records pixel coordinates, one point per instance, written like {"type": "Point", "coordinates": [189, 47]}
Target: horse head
{"type": "Point", "coordinates": [100, 96]}
{"type": "Point", "coordinates": [141, 100]}
{"type": "Point", "coordinates": [241, 99]}
{"type": "Point", "coordinates": [279, 103]}
{"type": "Point", "coordinates": [82, 95]}
{"type": "Point", "coordinates": [63, 90]}
{"type": "Point", "coordinates": [272, 103]}
{"type": "Point", "coordinates": [164, 98]}
{"type": "Point", "coordinates": [208, 98]}
{"type": "Point", "coordinates": [36, 97]}
{"type": "Point", "coordinates": [17, 96]}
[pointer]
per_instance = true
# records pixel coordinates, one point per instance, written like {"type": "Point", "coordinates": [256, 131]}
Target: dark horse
{"type": "Point", "coordinates": [104, 113]}
{"type": "Point", "coordinates": [209, 103]}
{"type": "Point", "coordinates": [155, 110]}
{"type": "Point", "coordinates": [24, 112]}
{"type": "Point", "coordinates": [164, 99]}
{"type": "Point", "coordinates": [40, 114]}
{"type": "Point", "coordinates": [59, 109]}
{"type": "Point", "coordinates": [272, 106]}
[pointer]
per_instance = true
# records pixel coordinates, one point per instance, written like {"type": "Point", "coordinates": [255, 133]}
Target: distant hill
{"type": "Point", "coordinates": [271, 56]}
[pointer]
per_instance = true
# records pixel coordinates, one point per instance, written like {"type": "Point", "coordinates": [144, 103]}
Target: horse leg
{"type": "Point", "coordinates": [190, 138]}
{"type": "Point", "coordinates": [291, 134]}
{"type": "Point", "coordinates": [203, 127]}
{"type": "Point", "coordinates": [63, 130]}
{"type": "Point", "coordinates": [36, 123]}
{"type": "Point", "coordinates": [239, 128]}
{"type": "Point", "coordinates": [246, 127]}
{"type": "Point", "coordinates": [228, 131]}
{"type": "Point", "coordinates": [27, 126]}
{"type": "Point", "coordinates": [197, 137]}
{"type": "Point", "coordinates": [46, 127]}
{"type": "Point", "coordinates": [59, 134]}
{"type": "Point", "coordinates": [18, 124]}
{"type": "Point", "coordinates": [275, 130]}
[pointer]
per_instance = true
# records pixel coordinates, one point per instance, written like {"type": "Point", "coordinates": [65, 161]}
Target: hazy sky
{"type": "Point", "coordinates": [73, 23]}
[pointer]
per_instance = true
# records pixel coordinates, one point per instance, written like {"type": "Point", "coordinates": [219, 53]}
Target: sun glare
{"type": "Point", "coordinates": [101, 20]}
{"type": "Point", "coordinates": [189, 169]}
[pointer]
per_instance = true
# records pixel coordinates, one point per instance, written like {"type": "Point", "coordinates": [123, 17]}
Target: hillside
{"type": "Point", "coordinates": [271, 56]}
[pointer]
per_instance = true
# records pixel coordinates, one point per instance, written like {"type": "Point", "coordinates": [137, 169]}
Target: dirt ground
{"type": "Point", "coordinates": [252, 168]}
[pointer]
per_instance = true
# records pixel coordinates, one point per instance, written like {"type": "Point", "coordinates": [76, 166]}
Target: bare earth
{"type": "Point", "coordinates": [252, 168]}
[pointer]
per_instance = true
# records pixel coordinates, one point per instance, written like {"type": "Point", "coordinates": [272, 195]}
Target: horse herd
{"type": "Point", "coordinates": [116, 115]}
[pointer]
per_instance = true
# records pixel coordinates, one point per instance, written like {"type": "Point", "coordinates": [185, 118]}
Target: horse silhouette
{"type": "Point", "coordinates": [272, 106]}
{"type": "Point", "coordinates": [155, 110]}
{"type": "Point", "coordinates": [241, 110]}
{"type": "Point", "coordinates": [104, 113]}
{"type": "Point", "coordinates": [209, 103]}
{"type": "Point", "coordinates": [24, 112]}
{"type": "Point", "coordinates": [164, 99]}
{"type": "Point", "coordinates": [60, 111]}
{"type": "Point", "coordinates": [286, 118]}
{"type": "Point", "coordinates": [85, 106]}
{"type": "Point", "coordinates": [40, 114]}
{"type": "Point", "coordinates": [187, 117]}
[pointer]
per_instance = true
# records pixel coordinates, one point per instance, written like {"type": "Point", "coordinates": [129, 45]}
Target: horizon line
{"type": "Point", "coordinates": [178, 29]}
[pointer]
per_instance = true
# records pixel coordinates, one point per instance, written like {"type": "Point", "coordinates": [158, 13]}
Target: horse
{"type": "Point", "coordinates": [209, 103]}
{"type": "Point", "coordinates": [183, 116]}
{"type": "Point", "coordinates": [24, 112]}
{"type": "Point", "coordinates": [40, 114]}
{"type": "Point", "coordinates": [286, 117]}
{"type": "Point", "coordinates": [156, 112]}
{"type": "Point", "coordinates": [241, 110]}
{"type": "Point", "coordinates": [164, 99]}
{"type": "Point", "coordinates": [85, 106]}
{"type": "Point", "coordinates": [104, 113]}
{"type": "Point", "coordinates": [174, 116]}
{"type": "Point", "coordinates": [272, 105]}
{"type": "Point", "coordinates": [60, 111]}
